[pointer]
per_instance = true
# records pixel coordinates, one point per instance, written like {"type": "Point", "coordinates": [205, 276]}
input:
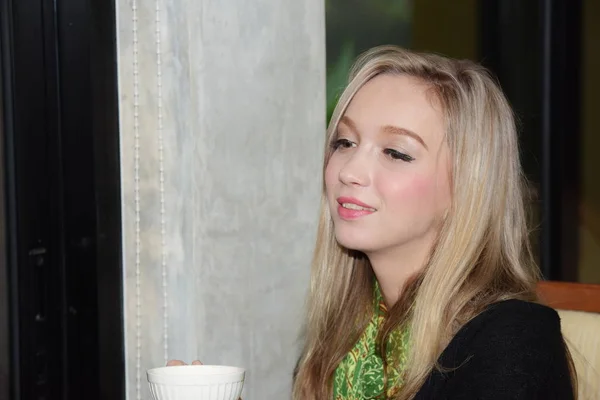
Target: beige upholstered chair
{"type": "Point", "coordinates": [579, 308]}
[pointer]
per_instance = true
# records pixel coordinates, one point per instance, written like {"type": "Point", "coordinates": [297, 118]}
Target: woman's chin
{"type": "Point", "coordinates": [354, 243]}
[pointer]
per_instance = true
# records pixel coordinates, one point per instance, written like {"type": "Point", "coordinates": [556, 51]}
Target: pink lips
{"type": "Point", "coordinates": [349, 214]}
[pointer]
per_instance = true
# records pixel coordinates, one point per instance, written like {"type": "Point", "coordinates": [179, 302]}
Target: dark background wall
{"type": "Point", "coordinates": [61, 265]}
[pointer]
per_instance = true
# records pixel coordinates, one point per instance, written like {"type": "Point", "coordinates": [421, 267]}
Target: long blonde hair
{"type": "Point", "coordinates": [482, 252]}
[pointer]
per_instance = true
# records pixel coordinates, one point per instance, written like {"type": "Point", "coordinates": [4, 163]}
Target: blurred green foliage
{"type": "Point", "coordinates": [337, 76]}
{"type": "Point", "coordinates": [354, 26]}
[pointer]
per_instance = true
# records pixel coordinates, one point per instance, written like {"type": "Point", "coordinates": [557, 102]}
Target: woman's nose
{"type": "Point", "coordinates": [355, 171]}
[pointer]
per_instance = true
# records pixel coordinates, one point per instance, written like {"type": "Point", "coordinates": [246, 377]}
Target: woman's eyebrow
{"type": "Point", "coordinates": [403, 131]}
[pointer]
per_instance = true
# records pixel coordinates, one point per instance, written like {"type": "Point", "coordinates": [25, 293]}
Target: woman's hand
{"type": "Point", "coordinates": [179, 362]}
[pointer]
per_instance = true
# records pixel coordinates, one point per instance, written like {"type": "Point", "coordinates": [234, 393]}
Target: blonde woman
{"type": "Point", "coordinates": [423, 284]}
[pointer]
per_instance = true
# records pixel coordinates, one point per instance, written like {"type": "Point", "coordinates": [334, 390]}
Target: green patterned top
{"type": "Point", "coordinates": [360, 375]}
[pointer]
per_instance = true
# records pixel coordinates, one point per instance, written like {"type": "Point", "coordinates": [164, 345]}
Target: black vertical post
{"type": "Point", "coordinates": [32, 167]}
{"type": "Point", "coordinates": [78, 199]}
{"type": "Point", "coordinates": [9, 353]}
{"type": "Point", "coordinates": [107, 174]}
{"type": "Point", "coordinates": [561, 137]}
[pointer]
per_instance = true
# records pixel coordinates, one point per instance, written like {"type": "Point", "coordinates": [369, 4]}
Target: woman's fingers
{"type": "Point", "coordinates": [172, 363]}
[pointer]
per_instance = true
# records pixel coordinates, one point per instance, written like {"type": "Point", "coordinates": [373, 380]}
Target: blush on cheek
{"type": "Point", "coordinates": [432, 193]}
{"type": "Point", "coordinates": [416, 196]}
{"type": "Point", "coordinates": [420, 187]}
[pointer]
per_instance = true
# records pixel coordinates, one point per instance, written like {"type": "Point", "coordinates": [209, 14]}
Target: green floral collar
{"type": "Point", "coordinates": [360, 374]}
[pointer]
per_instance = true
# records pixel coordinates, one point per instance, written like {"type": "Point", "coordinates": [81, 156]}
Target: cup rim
{"type": "Point", "coordinates": [204, 369]}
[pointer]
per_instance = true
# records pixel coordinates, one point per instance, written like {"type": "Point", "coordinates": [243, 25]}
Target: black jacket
{"type": "Point", "coordinates": [513, 350]}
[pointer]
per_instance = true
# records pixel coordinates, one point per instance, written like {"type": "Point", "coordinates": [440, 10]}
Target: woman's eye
{"type": "Point", "coordinates": [341, 144]}
{"type": "Point", "coordinates": [396, 155]}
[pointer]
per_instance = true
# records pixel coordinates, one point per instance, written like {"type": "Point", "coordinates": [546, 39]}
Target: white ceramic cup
{"type": "Point", "coordinates": [196, 382]}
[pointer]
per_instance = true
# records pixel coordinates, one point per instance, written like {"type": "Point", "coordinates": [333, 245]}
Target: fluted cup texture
{"type": "Point", "coordinates": [196, 382]}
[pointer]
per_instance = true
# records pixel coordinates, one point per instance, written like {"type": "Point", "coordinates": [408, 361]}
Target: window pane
{"type": "Point", "coordinates": [589, 234]}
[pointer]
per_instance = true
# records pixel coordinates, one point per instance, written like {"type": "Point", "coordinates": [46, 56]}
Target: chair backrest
{"type": "Point", "coordinates": [579, 308]}
{"type": "Point", "coordinates": [570, 296]}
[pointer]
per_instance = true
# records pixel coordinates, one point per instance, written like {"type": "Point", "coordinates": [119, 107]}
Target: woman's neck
{"type": "Point", "coordinates": [393, 267]}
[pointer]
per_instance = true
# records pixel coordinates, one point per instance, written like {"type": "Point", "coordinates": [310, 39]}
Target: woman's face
{"type": "Point", "coordinates": [388, 178]}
